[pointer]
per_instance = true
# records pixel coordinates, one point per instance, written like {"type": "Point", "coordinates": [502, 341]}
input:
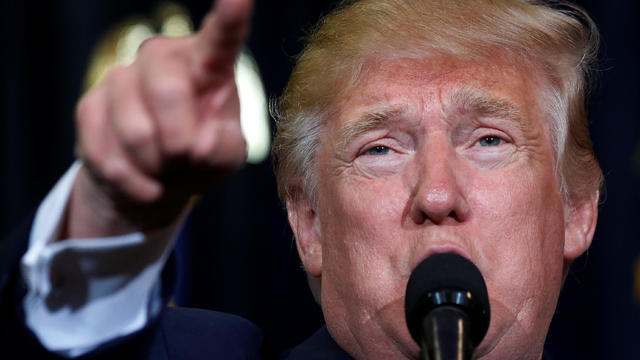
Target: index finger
{"type": "Point", "coordinates": [222, 36]}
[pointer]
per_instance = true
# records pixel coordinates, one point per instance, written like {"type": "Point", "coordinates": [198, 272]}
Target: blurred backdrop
{"type": "Point", "coordinates": [236, 253]}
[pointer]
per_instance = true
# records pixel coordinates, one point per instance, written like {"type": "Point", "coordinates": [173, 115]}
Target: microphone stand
{"type": "Point", "coordinates": [446, 335]}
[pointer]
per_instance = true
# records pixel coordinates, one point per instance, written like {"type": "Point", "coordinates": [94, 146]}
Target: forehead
{"type": "Point", "coordinates": [442, 85]}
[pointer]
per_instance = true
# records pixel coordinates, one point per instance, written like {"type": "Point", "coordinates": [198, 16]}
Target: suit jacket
{"type": "Point", "coordinates": [178, 333]}
{"type": "Point", "coordinates": [320, 346]}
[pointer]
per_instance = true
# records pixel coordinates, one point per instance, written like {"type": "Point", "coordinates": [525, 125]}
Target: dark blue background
{"type": "Point", "coordinates": [241, 254]}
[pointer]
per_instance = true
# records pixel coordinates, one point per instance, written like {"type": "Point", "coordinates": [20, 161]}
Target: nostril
{"type": "Point", "coordinates": [424, 214]}
{"type": "Point", "coordinates": [442, 217]}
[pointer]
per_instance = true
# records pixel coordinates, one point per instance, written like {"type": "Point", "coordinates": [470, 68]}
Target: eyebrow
{"type": "Point", "coordinates": [471, 100]}
{"type": "Point", "coordinates": [481, 103]}
{"type": "Point", "coordinates": [371, 120]}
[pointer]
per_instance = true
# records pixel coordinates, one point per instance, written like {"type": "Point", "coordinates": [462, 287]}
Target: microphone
{"type": "Point", "coordinates": [447, 307]}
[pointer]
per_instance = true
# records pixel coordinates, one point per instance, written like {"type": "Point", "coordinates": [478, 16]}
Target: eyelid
{"type": "Point", "coordinates": [365, 149]}
{"type": "Point", "coordinates": [390, 142]}
{"type": "Point", "coordinates": [490, 132]}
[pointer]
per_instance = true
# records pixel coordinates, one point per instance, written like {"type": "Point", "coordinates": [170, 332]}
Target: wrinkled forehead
{"type": "Point", "coordinates": [449, 86]}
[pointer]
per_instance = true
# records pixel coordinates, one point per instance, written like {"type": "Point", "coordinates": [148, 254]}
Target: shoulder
{"type": "Point", "coordinates": [320, 346]}
{"type": "Point", "coordinates": [196, 333]}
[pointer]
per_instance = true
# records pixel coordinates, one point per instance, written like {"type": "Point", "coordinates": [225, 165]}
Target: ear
{"type": "Point", "coordinates": [580, 225]}
{"type": "Point", "coordinates": [306, 229]}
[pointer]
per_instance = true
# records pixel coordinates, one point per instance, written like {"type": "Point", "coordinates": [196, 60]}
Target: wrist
{"type": "Point", "coordinates": [94, 211]}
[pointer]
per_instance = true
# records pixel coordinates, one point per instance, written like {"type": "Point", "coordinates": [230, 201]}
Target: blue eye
{"type": "Point", "coordinates": [490, 141]}
{"type": "Point", "coordinates": [378, 150]}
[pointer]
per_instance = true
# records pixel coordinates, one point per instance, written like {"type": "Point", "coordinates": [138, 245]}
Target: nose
{"type": "Point", "coordinates": [437, 196]}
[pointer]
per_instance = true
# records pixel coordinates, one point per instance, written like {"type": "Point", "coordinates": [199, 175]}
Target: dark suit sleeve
{"type": "Point", "coordinates": [177, 333]}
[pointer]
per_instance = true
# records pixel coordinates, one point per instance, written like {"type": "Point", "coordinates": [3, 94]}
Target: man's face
{"type": "Point", "coordinates": [436, 156]}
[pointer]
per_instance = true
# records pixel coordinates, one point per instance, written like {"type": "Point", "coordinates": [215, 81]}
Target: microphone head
{"type": "Point", "coordinates": [447, 279]}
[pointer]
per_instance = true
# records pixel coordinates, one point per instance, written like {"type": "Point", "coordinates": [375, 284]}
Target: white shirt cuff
{"type": "Point", "coordinates": [84, 293]}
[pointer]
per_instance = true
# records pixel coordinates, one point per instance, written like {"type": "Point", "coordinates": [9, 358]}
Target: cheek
{"type": "Point", "coordinates": [520, 221]}
{"type": "Point", "coordinates": [360, 212]}
{"type": "Point", "coordinates": [362, 288]}
{"type": "Point", "coordinates": [518, 213]}
{"type": "Point", "coordinates": [360, 222]}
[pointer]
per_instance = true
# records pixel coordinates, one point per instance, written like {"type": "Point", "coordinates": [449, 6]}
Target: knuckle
{"type": "Point", "coordinates": [202, 154]}
{"type": "Point", "coordinates": [157, 48]}
{"type": "Point", "coordinates": [169, 89]}
{"type": "Point", "coordinates": [204, 149]}
{"type": "Point", "coordinates": [228, 148]}
{"type": "Point", "coordinates": [176, 139]}
{"type": "Point", "coordinates": [154, 45]}
{"type": "Point", "coordinates": [137, 135]}
{"type": "Point", "coordinates": [117, 74]}
{"type": "Point", "coordinates": [111, 170]}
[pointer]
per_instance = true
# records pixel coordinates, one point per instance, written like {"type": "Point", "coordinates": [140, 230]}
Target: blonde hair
{"type": "Point", "coordinates": [559, 39]}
